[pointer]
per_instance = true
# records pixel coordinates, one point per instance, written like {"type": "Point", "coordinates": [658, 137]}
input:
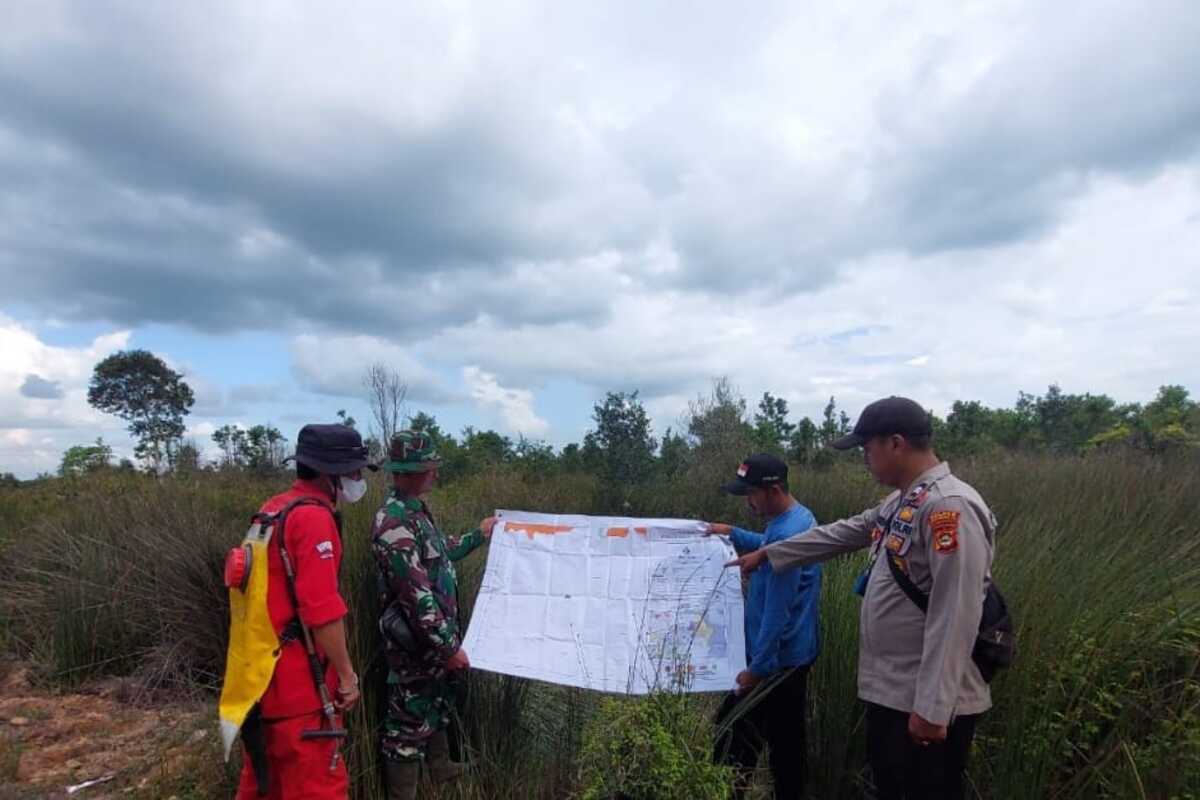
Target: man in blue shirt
{"type": "Point", "coordinates": [782, 638]}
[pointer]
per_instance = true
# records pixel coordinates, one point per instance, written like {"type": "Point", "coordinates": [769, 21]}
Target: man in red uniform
{"type": "Point", "coordinates": [329, 464]}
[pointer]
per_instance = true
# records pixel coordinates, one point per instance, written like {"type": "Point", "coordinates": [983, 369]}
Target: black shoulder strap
{"type": "Point", "coordinates": [919, 598]}
{"type": "Point", "coordinates": [280, 517]}
{"type": "Point", "coordinates": [291, 631]}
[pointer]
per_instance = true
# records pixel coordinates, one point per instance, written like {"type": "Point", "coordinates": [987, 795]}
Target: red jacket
{"type": "Point", "coordinates": [315, 548]}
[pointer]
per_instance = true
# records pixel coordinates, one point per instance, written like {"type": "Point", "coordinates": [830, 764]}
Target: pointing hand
{"type": "Point", "coordinates": [750, 562]}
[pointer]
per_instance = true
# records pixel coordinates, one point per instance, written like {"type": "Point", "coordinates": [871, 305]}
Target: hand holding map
{"type": "Point", "coordinates": [608, 603]}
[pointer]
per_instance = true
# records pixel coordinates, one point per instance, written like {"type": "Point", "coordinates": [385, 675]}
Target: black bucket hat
{"type": "Point", "coordinates": [332, 449]}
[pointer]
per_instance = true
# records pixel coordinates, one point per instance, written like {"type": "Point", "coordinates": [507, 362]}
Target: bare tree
{"type": "Point", "coordinates": [386, 393]}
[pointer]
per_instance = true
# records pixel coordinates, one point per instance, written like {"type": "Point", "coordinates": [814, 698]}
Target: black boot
{"type": "Point", "coordinates": [402, 778]}
{"type": "Point", "coordinates": [437, 758]}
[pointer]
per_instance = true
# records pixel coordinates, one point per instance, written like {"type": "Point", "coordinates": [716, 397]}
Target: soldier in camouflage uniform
{"type": "Point", "coordinates": [418, 601]}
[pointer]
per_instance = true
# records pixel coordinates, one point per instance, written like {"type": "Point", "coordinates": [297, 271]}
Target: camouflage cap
{"type": "Point", "coordinates": [412, 451]}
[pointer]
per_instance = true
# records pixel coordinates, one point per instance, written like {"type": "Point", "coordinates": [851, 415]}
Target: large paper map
{"type": "Point", "coordinates": [607, 603]}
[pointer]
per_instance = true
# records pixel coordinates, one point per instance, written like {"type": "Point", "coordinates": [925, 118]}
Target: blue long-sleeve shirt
{"type": "Point", "coordinates": [781, 607]}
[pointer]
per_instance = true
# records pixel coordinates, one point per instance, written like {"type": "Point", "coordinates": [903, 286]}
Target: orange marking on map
{"type": "Point", "coordinates": [532, 528]}
{"type": "Point", "coordinates": [621, 533]}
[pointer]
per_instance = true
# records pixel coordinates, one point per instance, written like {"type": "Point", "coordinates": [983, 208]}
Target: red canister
{"type": "Point", "coordinates": [237, 567]}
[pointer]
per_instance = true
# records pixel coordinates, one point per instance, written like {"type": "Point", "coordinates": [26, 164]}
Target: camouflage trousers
{"type": "Point", "coordinates": [416, 710]}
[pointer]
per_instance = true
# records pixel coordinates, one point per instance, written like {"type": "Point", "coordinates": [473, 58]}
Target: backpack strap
{"type": "Point", "coordinates": [919, 598]}
{"type": "Point", "coordinates": [291, 631]}
{"type": "Point", "coordinates": [279, 518]}
{"type": "Point", "coordinates": [995, 644]}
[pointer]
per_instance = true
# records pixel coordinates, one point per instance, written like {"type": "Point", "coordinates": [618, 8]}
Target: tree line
{"type": "Point", "coordinates": [621, 447]}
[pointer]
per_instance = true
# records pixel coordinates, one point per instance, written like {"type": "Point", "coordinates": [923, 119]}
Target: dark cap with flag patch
{"type": "Point", "coordinates": [757, 472]}
{"type": "Point", "coordinates": [886, 417]}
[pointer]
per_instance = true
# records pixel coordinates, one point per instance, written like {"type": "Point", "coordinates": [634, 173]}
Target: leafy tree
{"type": "Point", "coordinates": [535, 457]}
{"type": "Point", "coordinates": [804, 443]}
{"type": "Point", "coordinates": [830, 428]}
{"type": "Point", "coordinates": [427, 423]}
{"type": "Point", "coordinates": [346, 419]}
{"type": "Point", "coordinates": [260, 448]}
{"type": "Point", "coordinates": [1168, 422]}
{"type": "Point", "coordinates": [674, 453]}
{"type": "Point", "coordinates": [772, 431]}
{"type": "Point", "coordinates": [9, 481]}
{"type": "Point", "coordinates": [264, 448]}
{"type": "Point", "coordinates": [187, 457]}
{"type": "Point", "coordinates": [1064, 423]}
{"type": "Point", "coordinates": [571, 458]}
{"type": "Point", "coordinates": [1171, 406]}
{"type": "Point", "coordinates": [232, 441]}
{"type": "Point", "coordinates": [83, 459]}
{"type": "Point", "coordinates": [485, 448]}
{"type": "Point", "coordinates": [717, 422]}
{"type": "Point", "coordinates": [621, 445]}
{"type": "Point", "coordinates": [834, 425]}
{"type": "Point", "coordinates": [140, 388]}
{"type": "Point", "coordinates": [1013, 428]}
{"type": "Point", "coordinates": [968, 430]}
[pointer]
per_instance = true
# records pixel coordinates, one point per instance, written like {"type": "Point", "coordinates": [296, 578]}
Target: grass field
{"type": "Point", "coordinates": [1100, 558]}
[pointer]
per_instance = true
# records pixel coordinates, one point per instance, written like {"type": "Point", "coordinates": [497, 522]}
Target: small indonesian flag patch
{"type": "Point", "coordinates": [742, 470]}
{"type": "Point", "coordinates": [943, 526]}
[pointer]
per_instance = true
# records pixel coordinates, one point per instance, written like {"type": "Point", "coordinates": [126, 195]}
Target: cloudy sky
{"type": "Point", "coordinates": [522, 205]}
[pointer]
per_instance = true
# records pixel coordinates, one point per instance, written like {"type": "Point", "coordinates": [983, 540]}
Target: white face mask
{"type": "Point", "coordinates": [351, 490]}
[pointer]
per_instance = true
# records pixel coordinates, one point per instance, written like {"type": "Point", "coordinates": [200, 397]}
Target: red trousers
{"type": "Point", "coordinates": [299, 768]}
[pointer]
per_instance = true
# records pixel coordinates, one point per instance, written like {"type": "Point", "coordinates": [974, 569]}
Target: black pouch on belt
{"type": "Point", "coordinates": [394, 625]}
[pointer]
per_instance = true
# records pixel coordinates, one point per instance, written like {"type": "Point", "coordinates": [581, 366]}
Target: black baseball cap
{"type": "Point", "coordinates": [757, 472]}
{"type": "Point", "coordinates": [332, 449]}
{"type": "Point", "coordinates": [891, 415]}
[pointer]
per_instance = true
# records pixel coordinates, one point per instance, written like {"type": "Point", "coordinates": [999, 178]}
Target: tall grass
{"type": "Point", "coordinates": [120, 574]}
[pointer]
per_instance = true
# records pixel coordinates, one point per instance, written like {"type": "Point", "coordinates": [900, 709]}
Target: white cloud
{"type": "Point", "coordinates": [335, 365]}
{"type": "Point", "coordinates": [203, 430]}
{"type": "Point", "coordinates": [949, 200]}
{"type": "Point", "coordinates": [34, 431]}
{"type": "Point", "coordinates": [1105, 303]}
{"type": "Point", "coordinates": [515, 406]}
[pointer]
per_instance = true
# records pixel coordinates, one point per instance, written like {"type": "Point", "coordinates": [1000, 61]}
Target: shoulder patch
{"type": "Point", "coordinates": [917, 497]}
{"type": "Point", "coordinates": [943, 528]}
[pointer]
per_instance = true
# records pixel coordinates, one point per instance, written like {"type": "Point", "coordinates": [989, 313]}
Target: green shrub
{"type": "Point", "coordinates": [654, 748]}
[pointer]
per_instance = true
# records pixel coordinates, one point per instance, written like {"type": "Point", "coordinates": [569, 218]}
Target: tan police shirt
{"type": "Point", "coordinates": [943, 533]}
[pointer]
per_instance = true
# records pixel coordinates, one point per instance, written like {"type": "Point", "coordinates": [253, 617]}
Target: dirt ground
{"type": "Point", "coordinates": [142, 744]}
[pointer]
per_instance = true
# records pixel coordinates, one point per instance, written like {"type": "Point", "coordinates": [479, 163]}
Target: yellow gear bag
{"type": "Point", "coordinates": [253, 644]}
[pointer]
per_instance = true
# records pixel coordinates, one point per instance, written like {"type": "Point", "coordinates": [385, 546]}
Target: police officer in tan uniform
{"type": "Point", "coordinates": [924, 692]}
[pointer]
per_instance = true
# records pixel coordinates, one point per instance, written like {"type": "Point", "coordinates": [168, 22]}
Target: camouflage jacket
{"type": "Point", "coordinates": [416, 573]}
